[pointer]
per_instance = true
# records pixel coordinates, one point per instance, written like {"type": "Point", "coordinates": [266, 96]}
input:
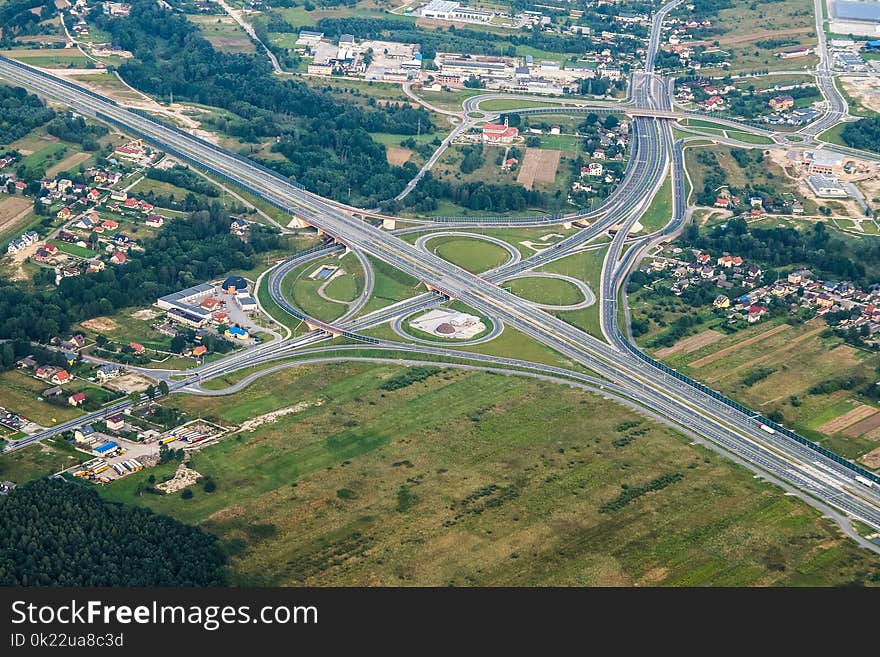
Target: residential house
{"type": "Point", "coordinates": [60, 377]}
{"type": "Point", "coordinates": [781, 102]}
{"type": "Point", "coordinates": [84, 434]}
{"type": "Point", "coordinates": [76, 399]}
{"type": "Point", "coordinates": [115, 422]}
{"type": "Point", "coordinates": [27, 363]}
{"type": "Point", "coordinates": [108, 371]}
{"type": "Point", "coordinates": [728, 261]}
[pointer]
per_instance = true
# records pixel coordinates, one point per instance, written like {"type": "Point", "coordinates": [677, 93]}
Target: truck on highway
{"type": "Point", "coordinates": [769, 430]}
{"type": "Point", "coordinates": [865, 481]}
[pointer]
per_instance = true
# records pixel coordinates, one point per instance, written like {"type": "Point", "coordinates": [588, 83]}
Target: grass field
{"type": "Point", "coordinates": [833, 135]}
{"type": "Point", "coordinates": [49, 57]}
{"type": "Point", "coordinates": [223, 33]}
{"type": "Point", "coordinates": [302, 291]}
{"type": "Point", "coordinates": [721, 130]}
{"type": "Point", "coordinates": [765, 172]}
{"type": "Point", "coordinates": [750, 28]}
{"type": "Point", "coordinates": [552, 291]}
{"type": "Point", "coordinates": [42, 460]}
{"type": "Point", "coordinates": [501, 104]}
{"type": "Point", "coordinates": [69, 163]}
{"type": "Point", "coordinates": [659, 212]}
{"type": "Point", "coordinates": [475, 479]}
{"type": "Point", "coordinates": [145, 185]}
{"type": "Point", "coordinates": [474, 255]}
{"type": "Point", "coordinates": [390, 285]}
{"type": "Point", "coordinates": [74, 250]}
{"type": "Point", "coordinates": [586, 266]}
{"type": "Point", "coordinates": [123, 327]}
{"type": "Point", "coordinates": [19, 392]}
{"type": "Point", "coordinates": [449, 100]}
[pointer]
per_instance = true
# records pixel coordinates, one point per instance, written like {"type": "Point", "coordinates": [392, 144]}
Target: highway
{"type": "Point", "coordinates": [655, 155]}
{"type": "Point", "coordinates": [837, 109]}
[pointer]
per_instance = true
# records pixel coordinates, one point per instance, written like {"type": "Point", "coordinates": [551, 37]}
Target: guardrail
{"type": "Point", "coordinates": [58, 80]}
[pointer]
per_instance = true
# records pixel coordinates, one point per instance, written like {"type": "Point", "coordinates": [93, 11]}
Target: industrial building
{"type": "Point", "coordinates": [826, 187]}
{"type": "Point", "coordinates": [184, 306]}
{"type": "Point", "coordinates": [453, 11]}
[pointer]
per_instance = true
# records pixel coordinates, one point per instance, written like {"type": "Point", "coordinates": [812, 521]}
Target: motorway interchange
{"type": "Point", "coordinates": [617, 369]}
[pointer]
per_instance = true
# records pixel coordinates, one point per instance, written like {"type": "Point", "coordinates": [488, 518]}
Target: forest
{"type": "Point", "coordinates": [58, 533]}
{"type": "Point", "coordinates": [863, 134]}
{"type": "Point", "coordinates": [22, 112]}
{"type": "Point", "coordinates": [186, 252]}
{"type": "Point", "coordinates": [324, 138]}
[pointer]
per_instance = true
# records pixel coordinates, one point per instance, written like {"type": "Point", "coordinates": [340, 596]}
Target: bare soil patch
{"type": "Point", "coordinates": [273, 417]}
{"type": "Point", "coordinates": [872, 459]}
{"type": "Point", "coordinates": [689, 344]}
{"type": "Point", "coordinates": [863, 427]}
{"type": "Point", "coordinates": [12, 210]}
{"type": "Point", "coordinates": [183, 478]}
{"type": "Point", "coordinates": [100, 324]}
{"type": "Point", "coordinates": [397, 155]}
{"type": "Point", "coordinates": [864, 90]}
{"type": "Point", "coordinates": [722, 353]}
{"type": "Point", "coordinates": [129, 382]}
{"type": "Point", "coordinates": [859, 413]}
{"type": "Point", "coordinates": [146, 314]}
{"type": "Point", "coordinates": [539, 166]}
